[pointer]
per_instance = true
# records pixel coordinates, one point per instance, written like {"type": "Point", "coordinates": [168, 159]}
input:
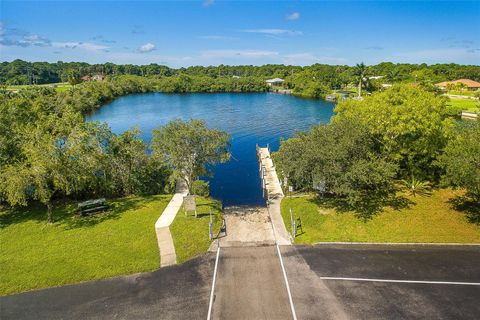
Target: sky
{"type": "Point", "coordinates": [213, 32]}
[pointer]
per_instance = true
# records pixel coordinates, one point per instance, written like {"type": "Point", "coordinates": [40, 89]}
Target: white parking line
{"type": "Point", "coordinates": [403, 281]}
{"type": "Point", "coordinates": [294, 314]}
{"type": "Point", "coordinates": [210, 305]}
{"type": "Point", "coordinates": [286, 282]}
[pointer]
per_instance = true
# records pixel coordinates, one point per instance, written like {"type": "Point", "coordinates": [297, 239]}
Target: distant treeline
{"type": "Point", "coordinates": [19, 72]}
{"type": "Point", "coordinates": [87, 96]}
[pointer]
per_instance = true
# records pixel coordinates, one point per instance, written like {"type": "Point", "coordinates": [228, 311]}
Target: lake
{"type": "Point", "coordinates": [250, 118]}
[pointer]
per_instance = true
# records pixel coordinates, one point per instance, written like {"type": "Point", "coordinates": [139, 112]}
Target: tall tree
{"type": "Point", "coordinates": [344, 158]}
{"type": "Point", "coordinates": [360, 71]}
{"type": "Point", "coordinates": [409, 123]}
{"type": "Point", "coordinates": [461, 159]}
{"type": "Point", "coordinates": [188, 147]}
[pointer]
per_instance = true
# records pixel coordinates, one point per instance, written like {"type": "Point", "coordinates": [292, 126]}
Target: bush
{"type": "Point", "coordinates": [461, 159]}
{"type": "Point", "coordinates": [201, 188]}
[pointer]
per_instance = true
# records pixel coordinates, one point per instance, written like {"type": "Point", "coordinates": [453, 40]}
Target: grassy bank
{"type": "Point", "coordinates": [60, 87]}
{"type": "Point", "coordinates": [437, 218]}
{"type": "Point", "coordinates": [190, 234]}
{"type": "Point", "coordinates": [464, 104]}
{"type": "Point", "coordinates": [36, 255]}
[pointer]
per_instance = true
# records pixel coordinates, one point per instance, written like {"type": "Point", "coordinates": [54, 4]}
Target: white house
{"type": "Point", "coordinates": [275, 82]}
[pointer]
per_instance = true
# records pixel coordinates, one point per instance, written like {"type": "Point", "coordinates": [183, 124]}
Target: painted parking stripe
{"type": "Point", "coordinates": [286, 282]}
{"type": "Point", "coordinates": [210, 305]}
{"type": "Point", "coordinates": [403, 281]}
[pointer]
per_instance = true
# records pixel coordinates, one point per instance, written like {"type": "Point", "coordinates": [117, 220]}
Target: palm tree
{"type": "Point", "coordinates": [360, 72]}
{"type": "Point", "coordinates": [393, 75]}
{"type": "Point", "coordinates": [416, 186]}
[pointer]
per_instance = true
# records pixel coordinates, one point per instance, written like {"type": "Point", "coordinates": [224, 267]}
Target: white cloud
{"type": "Point", "coordinates": [293, 16]}
{"type": "Point", "coordinates": [250, 54]}
{"type": "Point", "coordinates": [307, 58]}
{"type": "Point", "coordinates": [275, 32]}
{"type": "Point", "coordinates": [89, 46]}
{"type": "Point", "coordinates": [147, 47]}
{"type": "Point", "coordinates": [440, 55]}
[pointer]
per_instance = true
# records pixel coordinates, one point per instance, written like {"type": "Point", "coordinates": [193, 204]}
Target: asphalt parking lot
{"type": "Point", "coordinates": [353, 281]}
{"type": "Point", "coordinates": [177, 292]}
{"type": "Point", "coordinates": [343, 281]}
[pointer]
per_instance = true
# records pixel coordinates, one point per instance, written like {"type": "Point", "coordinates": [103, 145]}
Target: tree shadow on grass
{"type": "Point", "coordinates": [365, 209]}
{"type": "Point", "coordinates": [116, 208]}
{"type": "Point", "coordinates": [203, 209]}
{"type": "Point", "coordinates": [65, 214]}
{"type": "Point", "coordinates": [34, 212]}
{"type": "Point", "coordinates": [468, 206]}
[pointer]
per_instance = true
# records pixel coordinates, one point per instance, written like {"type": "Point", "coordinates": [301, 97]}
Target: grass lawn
{"type": "Point", "coordinates": [190, 234]}
{"type": "Point", "coordinates": [464, 104]}
{"type": "Point", "coordinates": [462, 93]}
{"type": "Point", "coordinates": [427, 219]}
{"type": "Point", "coordinates": [60, 86]}
{"type": "Point", "coordinates": [37, 255]}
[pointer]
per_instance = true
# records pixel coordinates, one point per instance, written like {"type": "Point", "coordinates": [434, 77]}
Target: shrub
{"type": "Point", "coordinates": [201, 188]}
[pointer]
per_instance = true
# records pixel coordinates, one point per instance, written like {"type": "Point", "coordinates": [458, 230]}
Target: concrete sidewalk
{"type": "Point", "coordinates": [162, 226]}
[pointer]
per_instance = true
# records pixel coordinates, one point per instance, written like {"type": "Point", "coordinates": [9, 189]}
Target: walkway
{"type": "Point", "coordinates": [162, 226]}
{"type": "Point", "coordinates": [275, 196]}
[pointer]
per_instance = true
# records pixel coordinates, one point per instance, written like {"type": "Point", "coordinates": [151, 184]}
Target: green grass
{"type": "Point", "coordinates": [428, 219]}
{"type": "Point", "coordinates": [60, 87]}
{"type": "Point", "coordinates": [462, 93]}
{"type": "Point", "coordinates": [190, 234]}
{"type": "Point", "coordinates": [72, 249]}
{"type": "Point", "coordinates": [464, 104]}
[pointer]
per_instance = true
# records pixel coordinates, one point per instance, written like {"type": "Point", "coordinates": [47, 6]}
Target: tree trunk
{"type": "Point", "coordinates": [360, 88]}
{"type": "Point", "coordinates": [49, 212]}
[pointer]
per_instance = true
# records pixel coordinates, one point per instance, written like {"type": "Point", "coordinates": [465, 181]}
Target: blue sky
{"type": "Point", "coordinates": [212, 32]}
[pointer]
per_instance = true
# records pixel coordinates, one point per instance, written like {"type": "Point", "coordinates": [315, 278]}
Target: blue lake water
{"type": "Point", "coordinates": [250, 118]}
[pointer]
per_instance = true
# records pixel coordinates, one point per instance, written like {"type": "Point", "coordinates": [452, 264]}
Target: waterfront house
{"type": "Point", "coordinates": [276, 82]}
{"type": "Point", "coordinates": [467, 84]}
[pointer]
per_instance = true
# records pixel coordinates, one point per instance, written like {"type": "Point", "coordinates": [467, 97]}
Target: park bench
{"type": "Point", "coordinates": [91, 206]}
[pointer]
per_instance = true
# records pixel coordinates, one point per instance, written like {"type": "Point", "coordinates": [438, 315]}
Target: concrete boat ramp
{"type": "Point", "coordinates": [249, 280]}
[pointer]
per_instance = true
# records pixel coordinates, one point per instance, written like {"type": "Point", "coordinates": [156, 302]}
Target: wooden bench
{"type": "Point", "coordinates": [91, 206]}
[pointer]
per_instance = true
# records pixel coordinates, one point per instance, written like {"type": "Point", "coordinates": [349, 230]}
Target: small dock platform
{"type": "Point", "coordinates": [273, 193]}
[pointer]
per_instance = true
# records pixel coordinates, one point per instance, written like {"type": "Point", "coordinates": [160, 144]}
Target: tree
{"type": "Point", "coordinates": [393, 75]}
{"type": "Point", "coordinates": [72, 76]}
{"type": "Point", "coordinates": [130, 169]}
{"type": "Point", "coordinates": [409, 123]}
{"type": "Point", "coordinates": [461, 159]}
{"type": "Point", "coordinates": [344, 158]}
{"type": "Point", "coordinates": [360, 73]}
{"type": "Point", "coordinates": [188, 147]}
{"type": "Point", "coordinates": [59, 156]}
